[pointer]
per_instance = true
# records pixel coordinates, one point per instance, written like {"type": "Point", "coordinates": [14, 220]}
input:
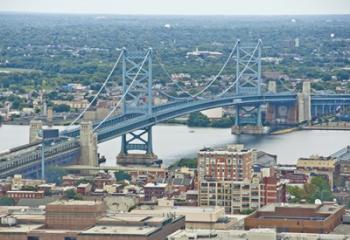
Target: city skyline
{"type": "Point", "coordinates": [180, 7]}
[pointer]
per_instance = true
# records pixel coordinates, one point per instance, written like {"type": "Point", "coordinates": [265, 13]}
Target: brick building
{"type": "Point", "coordinates": [317, 165]}
{"type": "Point", "coordinates": [233, 163]}
{"type": "Point", "coordinates": [155, 190]}
{"type": "Point", "coordinates": [88, 220]}
{"type": "Point", "coordinates": [302, 218]}
{"type": "Point", "coordinates": [239, 196]}
{"type": "Point", "coordinates": [25, 194]}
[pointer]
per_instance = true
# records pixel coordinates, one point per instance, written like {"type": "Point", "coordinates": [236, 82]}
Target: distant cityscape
{"type": "Point", "coordinates": [79, 81]}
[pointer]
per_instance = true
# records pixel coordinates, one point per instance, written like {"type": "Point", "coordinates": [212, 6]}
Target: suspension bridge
{"type": "Point", "coordinates": [134, 115]}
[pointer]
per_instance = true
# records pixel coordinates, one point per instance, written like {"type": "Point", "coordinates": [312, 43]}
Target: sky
{"type": "Point", "coordinates": [180, 7]}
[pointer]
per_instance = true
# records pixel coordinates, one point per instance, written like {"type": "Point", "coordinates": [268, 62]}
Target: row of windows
{"type": "Point", "coordinates": [38, 238]}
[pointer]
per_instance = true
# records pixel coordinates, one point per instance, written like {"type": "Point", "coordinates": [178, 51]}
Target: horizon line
{"type": "Point", "coordinates": [173, 14]}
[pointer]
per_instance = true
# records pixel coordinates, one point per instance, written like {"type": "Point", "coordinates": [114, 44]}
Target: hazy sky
{"type": "Point", "coordinates": [228, 7]}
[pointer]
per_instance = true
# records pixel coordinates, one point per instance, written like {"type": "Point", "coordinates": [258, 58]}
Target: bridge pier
{"type": "Point", "coordinates": [137, 141]}
{"type": "Point", "coordinates": [248, 120]}
{"type": "Point", "coordinates": [279, 113]}
{"type": "Point", "coordinates": [304, 103]}
{"type": "Point", "coordinates": [88, 145]}
{"type": "Point", "coordinates": [35, 126]}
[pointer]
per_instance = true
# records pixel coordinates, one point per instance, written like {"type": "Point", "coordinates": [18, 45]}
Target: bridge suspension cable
{"type": "Point", "coordinates": [208, 85]}
{"type": "Point", "coordinates": [100, 90]}
{"type": "Point", "coordinates": [126, 91]}
{"type": "Point", "coordinates": [241, 73]}
{"type": "Point", "coordinates": [169, 77]}
{"type": "Point", "coordinates": [220, 72]}
{"type": "Point", "coordinates": [279, 80]}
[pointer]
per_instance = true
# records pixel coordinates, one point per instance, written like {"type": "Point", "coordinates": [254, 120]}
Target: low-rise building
{"type": "Point", "coordinates": [87, 220]}
{"type": "Point", "coordinates": [25, 194]}
{"type": "Point", "coordinates": [155, 190]}
{"type": "Point", "coordinates": [195, 217]}
{"type": "Point", "coordinates": [304, 218]}
{"type": "Point", "coordinates": [317, 165]}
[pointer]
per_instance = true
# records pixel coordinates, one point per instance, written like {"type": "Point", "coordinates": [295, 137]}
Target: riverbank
{"type": "Point", "coordinates": [337, 126]}
{"type": "Point", "coordinates": [284, 131]}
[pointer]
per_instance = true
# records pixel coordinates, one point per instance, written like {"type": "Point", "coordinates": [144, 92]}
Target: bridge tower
{"type": "Point", "coordinates": [304, 103]}
{"type": "Point", "coordinates": [137, 85]}
{"type": "Point", "coordinates": [88, 145]}
{"type": "Point", "coordinates": [35, 126]}
{"type": "Point", "coordinates": [248, 82]}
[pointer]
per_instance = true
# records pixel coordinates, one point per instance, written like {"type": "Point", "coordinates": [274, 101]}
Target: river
{"type": "Point", "coordinates": [172, 142]}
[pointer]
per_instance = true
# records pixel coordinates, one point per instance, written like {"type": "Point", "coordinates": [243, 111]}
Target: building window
{"type": "Point", "coordinates": [33, 238]}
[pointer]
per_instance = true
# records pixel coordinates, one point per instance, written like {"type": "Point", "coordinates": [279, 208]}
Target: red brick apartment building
{"type": "Point", "coordinates": [234, 163]}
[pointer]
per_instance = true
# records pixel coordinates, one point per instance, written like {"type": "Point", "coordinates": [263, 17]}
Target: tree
{"type": "Point", "coordinates": [326, 77]}
{"type": "Point", "coordinates": [247, 211]}
{"type": "Point", "coordinates": [121, 176]}
{"type": "Point", "coordinates": [1, 119]}
{"type": "Point", "coordinates": [318, 188]}
{"type": "Point", "coordinates": [61, 108]}
{"type": "Point", "coordinates": [29, 188]}
{"type": "Point", "coordinates": [72, 194]}
{"type": "Point", "coordinates": [54, 174]}
{"type": "Point", "coordinates": [7, 201]}
{"type": "Point", "coordinates": [343, 75]}
{"type": "Point", "coordinates": [198, 120]}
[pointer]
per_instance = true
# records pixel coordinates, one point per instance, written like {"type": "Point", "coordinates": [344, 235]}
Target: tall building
{"type": "Point", "coordinates": [226, 179]}
{"type": "Point", "coordinates": [234, 196]}
{"type": "Point", "coordinates": [233, 163]}
{"type": "Point", "coordinates": [240, 196]}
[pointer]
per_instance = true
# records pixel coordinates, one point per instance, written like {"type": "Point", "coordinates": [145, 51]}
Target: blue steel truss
{"type": "Point", "coordinates": [137, 87]}
{"type": "Point", "coordinates": [248, 83]}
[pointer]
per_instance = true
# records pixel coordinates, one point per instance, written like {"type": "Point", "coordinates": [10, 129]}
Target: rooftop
{"type": "Point", "coordinates": [159, 185]}
{"type": "Point", "coordinates": [19, 228]}
{"type": "Point", "coordinates": [119, 230]}
{"type": "Point", "coordinates": [75, 202]}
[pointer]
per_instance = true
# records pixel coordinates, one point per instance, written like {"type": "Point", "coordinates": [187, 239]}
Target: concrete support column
{"type": "Point", "coordinates": [35, 127]}
{"type": "Point", "coordinates": [88, 145]}
{"type": "Point", "coordinates": [259, 117]}
{"type": "Point", "coordinates": [304, 103]}
{"type": "Point", "coordinates": [271, 87]}
{"type": "Point", "coordinates": [50, 116]}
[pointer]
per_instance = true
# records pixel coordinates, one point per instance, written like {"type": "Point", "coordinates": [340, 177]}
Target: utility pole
{"type": "Point", "coordinates": [43, 160]}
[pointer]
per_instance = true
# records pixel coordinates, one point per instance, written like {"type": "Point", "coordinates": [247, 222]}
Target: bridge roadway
{"type": "Point", "coordinates": [26, 159]}
{"type": "Point", "coordinates": [122, 124]}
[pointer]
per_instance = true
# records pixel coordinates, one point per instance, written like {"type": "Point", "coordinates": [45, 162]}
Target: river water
{"type": "Point", "coordinates": [172, 142]}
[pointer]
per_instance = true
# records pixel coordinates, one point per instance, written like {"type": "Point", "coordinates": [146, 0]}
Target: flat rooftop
{"type": "Point", "coordinates": [75, 202]}
{"type": "Point", "coordinates": [323, 210]}
{"type": "Point", "coordinates": [19, 228]}
{"type": "Point", "coordinates": [120, 230]}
